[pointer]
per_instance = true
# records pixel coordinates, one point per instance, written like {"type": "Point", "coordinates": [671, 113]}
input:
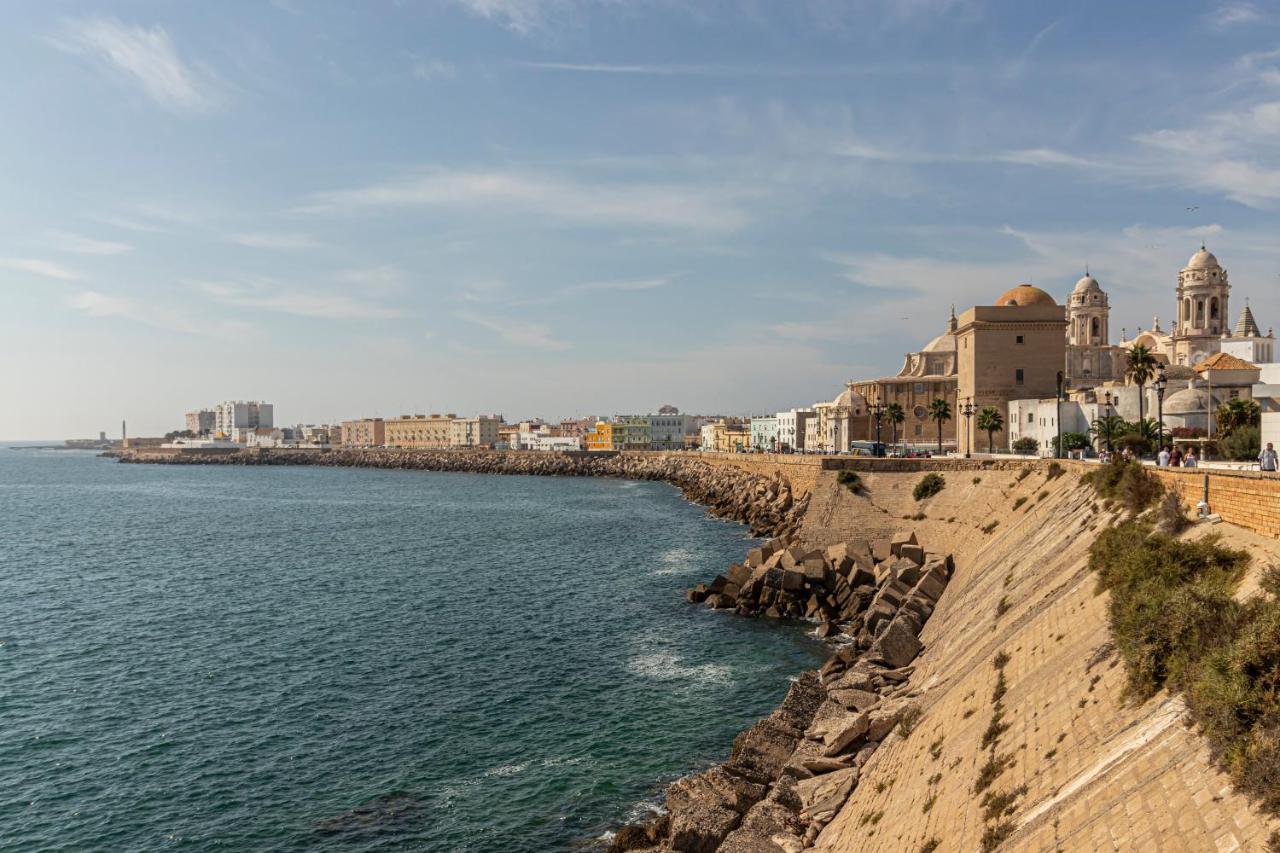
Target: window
{"type": "Point", "coordinates": [1020, 340]}
{"type": "Point", "coordinates": [1018, 376]}
{"type": "Point", "coordinates": [919, 429]}
{"type": "Point", "coordinates": [1031, 418]}
{"type": "Point", "coordinates": [919, 388]}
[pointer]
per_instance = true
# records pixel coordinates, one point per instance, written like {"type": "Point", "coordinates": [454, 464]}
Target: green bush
{"type": "Point", "coordinates": [1026, 446]}
{"type": "Point", "coordinates": [850, 480]}
{"type": "Point", "coordinates": [929, 485]}
{"type": "Point", "coordinates": [1128, 483]}
{"type": "Point", "coordinates": [1243, 444]}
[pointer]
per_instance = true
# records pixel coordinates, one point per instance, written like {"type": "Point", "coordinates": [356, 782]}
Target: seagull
{"type": "Point", "coordinates": [1197, 207]}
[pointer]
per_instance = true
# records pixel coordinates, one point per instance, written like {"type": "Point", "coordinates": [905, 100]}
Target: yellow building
{"type": "Point", "coordinates": [366, 432]}
{"type": "Point", "coordinates": [432, 432]}
{"type": "Point", "coordinates": [604, 437]}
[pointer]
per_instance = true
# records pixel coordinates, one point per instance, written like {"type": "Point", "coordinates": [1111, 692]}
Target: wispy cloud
{"type": "Point", "coordinates": [381, 278]}
{"type": "Point", "coordinates": [1016, 68]}
{"type": "Point", "coordinates": [269, 295]}
{"type": "Point", "coordinates": [587, 203]}
{"type": "Point", "coordinates": [147, 57]}
{"type": "Point", "coordinates": [432, 69]}
{"type": "Point", "coordinates": [36, 266]}
{"type": "Point", "coordinates": [1229, 15]}
{"type": "Point", "coordinates": [516, 332]}
{"type": "Point", "coordinates": [96, 304]}
{"type": "Point", "coordinates": [65, 241]}
{"type": "Point", "coordinates": [713, 70]}
{"type": "Point", "coordinates": [522, 16]}
{"type": "Point", "coordinates": [284, 242]}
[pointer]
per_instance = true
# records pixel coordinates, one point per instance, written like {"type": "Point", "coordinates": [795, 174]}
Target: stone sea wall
{"type": "Point", "coordinates": [791, 773]}
{"type": "Point", "coordinates": [765, 502]}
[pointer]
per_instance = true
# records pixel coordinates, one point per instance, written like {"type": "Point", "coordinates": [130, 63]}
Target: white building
{"type": "Point", "coordinates": [1038, 419]}
{"type": "Point", "coordinates": [791, 426]}
{"type": "Point", "coordinates": [764, 433]}
{"type": "Point", "coordinates": [668, 429]}
{"type": "Point", "coordinates": [231, 415]}
{"type": "Point", "coordinates": [561, 443]}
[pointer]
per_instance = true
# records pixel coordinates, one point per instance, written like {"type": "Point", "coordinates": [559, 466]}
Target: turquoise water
{"type": "Point", "coordinates": [236, 658]}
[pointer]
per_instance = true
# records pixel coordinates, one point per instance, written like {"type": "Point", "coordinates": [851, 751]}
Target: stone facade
{"type": "Point", "coordinates": [366, 432]}
{"type": "Point", "coordinates": [1012, 350]}
{"type": "Point", "coordinates": [419, 431]}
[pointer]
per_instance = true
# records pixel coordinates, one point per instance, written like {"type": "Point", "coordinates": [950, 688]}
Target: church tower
{"type": "Point", "coordinates": [1203, 292]}
{"type": "Point", "coordinates": [1090, 357]}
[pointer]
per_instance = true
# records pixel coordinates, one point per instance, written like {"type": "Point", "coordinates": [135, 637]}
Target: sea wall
{"type": "Point", "coordinates": [761, 498]}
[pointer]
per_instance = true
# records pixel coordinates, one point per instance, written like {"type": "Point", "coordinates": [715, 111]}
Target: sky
{"type": "Point", "coordinates": [553, 208]}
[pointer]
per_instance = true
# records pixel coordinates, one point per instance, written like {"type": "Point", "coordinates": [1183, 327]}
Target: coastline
{"type": "Point", "coordinates": [791, 772]}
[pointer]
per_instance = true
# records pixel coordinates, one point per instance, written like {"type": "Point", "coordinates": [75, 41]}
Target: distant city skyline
{"type": "Point", "coordinates": [555, 208]}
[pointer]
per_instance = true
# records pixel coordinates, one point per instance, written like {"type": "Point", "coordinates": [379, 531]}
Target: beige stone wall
{"type": "Point", "coordinates": [1100, 774]}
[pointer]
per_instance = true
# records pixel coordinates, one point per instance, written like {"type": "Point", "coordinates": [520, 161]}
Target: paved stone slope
{"type": "Point", "coordinates": [1098, 774]}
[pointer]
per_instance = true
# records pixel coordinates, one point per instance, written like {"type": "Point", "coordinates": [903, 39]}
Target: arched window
{"type": "Point", "coordinates": [1213, 308]}
{"type": "Point", "coordinates": [1095, 330]}
{"type": "Point", "coordinates": [1186, 311]}
{"type": "Point", "coordinates": [1199, 324]}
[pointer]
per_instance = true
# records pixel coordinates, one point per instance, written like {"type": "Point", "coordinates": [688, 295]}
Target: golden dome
{"type": "Point", "coordinates": [1024, 295]}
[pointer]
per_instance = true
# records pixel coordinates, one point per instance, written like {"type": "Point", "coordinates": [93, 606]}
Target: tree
{"type": "Point", "coordinates": [896, 416]}
{"type": "Point", "coordinates": [1108, 429]}
{"type": "Point", "coordinates": [940, 412]}
{"type": "Point", "coordinates": [991, 422]}
{"type": "Point", "coordinates": [1237, 413]}
{"type": "Point", "coordinates": [1147, 428]}
{"type": "Point", "coordinates": [1070, 441]}
{"type": "Point", "coordinates": [1242, 444]}
{"type": "Point", "coordinates": [1026, 446]}
{"type": "Point", "coordinates": [1140, 366]}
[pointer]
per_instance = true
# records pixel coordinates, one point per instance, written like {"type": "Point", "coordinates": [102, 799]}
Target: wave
{"type": "Point", "coordinates": [667, 666]}
{"type": "Point", "coordinates": [673, 561]}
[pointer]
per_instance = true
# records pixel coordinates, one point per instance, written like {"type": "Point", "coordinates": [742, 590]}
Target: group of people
{"type": "Point", "coordinates": [1172, 457]}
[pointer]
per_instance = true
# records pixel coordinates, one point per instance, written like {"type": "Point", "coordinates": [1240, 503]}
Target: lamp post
{"type": "Point", "coordinates": [1057, 414]}
{"type": "Point", "coordinates": [1162, 382]}
{"type": "Point", "coordinates": [967, 411]}
{"type": "Point", "coordinates": [1108, 414]}
{"type": "Point", "coordinates": [877, 412]}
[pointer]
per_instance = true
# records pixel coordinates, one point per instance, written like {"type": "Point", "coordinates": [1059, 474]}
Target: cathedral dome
{"type": "Point", "coordinates": [1085, 285]}
{"type": "Point", "coordinates": [1203, 260]}
{"type": "Point", "coordinates": [1024, 295]}
{"type": "Point", "coordinates": [850, 399]}
{"type": "Point", "coordinates": [946, 342]}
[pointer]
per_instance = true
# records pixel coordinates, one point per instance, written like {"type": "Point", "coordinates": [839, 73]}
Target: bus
{"type": "Point", "coordinates": [866, 448]}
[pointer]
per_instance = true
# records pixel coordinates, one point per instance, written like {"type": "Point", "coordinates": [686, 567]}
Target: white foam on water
{"type": "Point", "coordinates": [667, 666]}
{"type": "Point", "coordinates": [508, 769]}
{"type": "Point", "coordinates": [673, 561]}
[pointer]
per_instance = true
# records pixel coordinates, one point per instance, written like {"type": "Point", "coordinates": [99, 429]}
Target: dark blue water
{"type": "Point", "coordinates": [234, 658]}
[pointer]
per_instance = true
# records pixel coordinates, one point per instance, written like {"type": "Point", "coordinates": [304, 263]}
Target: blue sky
{"type": "Point", "coordinates": [564, 207]}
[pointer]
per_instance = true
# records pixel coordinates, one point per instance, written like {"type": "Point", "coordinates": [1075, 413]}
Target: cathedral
{"type": "Point", "coordinates": [1200, 330]}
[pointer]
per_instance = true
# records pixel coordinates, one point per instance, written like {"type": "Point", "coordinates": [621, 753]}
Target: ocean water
{"type": "Point", "coordinates": [242, 658]}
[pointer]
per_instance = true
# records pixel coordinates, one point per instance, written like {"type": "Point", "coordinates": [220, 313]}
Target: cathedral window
{"type": "Point", "coordinates": [1213, 308]}
{"type": "Point", "coordinates": [1096, 329]}
{"type": "Point", "coordinates": [1018, 376]}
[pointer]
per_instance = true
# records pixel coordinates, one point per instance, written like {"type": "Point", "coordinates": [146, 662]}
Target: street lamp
{"type": "Point", "coordinates": [877, 412]}
{"type": "Point", "coordinates": [1162, 382]}
{"type": "Point", "coordinates": [1057, 414]}
{"type": "Point", "coordinates": [1107, 411]}
{"type": "Point", "coordinates": [967, 411]}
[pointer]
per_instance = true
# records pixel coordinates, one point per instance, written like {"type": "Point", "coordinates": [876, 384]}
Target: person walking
{"type": "Point", "coordinates": [1175, 458]}
{"type": "Point", "coordinates": [1267, 459]}
{"type": "Point", "coordinates": [1190, 460]}
{"type": "Point", "coordinates": [1162, 458]}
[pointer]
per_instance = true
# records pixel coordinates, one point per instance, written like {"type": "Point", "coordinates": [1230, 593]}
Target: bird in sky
{"type": "Point", "coordinates": [1196, 207]}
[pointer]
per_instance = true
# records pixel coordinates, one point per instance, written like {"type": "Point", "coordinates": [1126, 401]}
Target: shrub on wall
{"type": "Point", "coordinates": [1026, 446]}
{"type": "Point", "coordinates": [929, 485]}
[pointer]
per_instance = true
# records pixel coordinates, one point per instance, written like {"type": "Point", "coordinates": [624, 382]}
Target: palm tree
{"type": "Point", "coordinates": [1108, 428]}
{"type": "Point", "coordinates": [940, 411]}
{"type": "Point", "coordinates": [990, 420]}
{"type": "Point", "coordinates": [1237, 413]}
{"type": "Point", "coordinates": [895, 415]}
{"type": "Point", "coordinates": [1140, 366]}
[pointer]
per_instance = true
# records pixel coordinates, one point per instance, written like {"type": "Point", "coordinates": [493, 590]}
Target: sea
{"type": "Point", "coordinates": [294, 658]}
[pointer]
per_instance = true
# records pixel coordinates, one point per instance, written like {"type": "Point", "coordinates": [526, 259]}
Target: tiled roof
{"type": "Point", "coordinates": [1224, 361]}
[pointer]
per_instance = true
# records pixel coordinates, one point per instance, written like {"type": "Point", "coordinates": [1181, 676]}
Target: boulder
{"type": "Point", "coordinates": [698, 594]}
{"type": "Point", "coordinates": [914, 553]}
{"type": "Point", "coordinates": [854, 679]}
{"type": "Point", "coordinates": [716, 786]}
{"type": "Point", "coordinates": [864, 753]}
{"type": "Point", "coordinates": [760, 752]}
{"type": "Point", "coordinates": [764, 822]}
{"type": "Point", "coordinates": [931, 584]}
{"type": "Point", "coordinates": [828, 629]}
{"type": "Point", "coordinates": [897, 645]}
{"type": "Point", "coordinates": [793, 580]}
{"type": "Point", "coordinates": [827, 792]}
{"type": "Point", "coordinates": [884, 718]}
{"type": "Point", "coordinates": [855, 700]}
{"type": "Point", "coordinates": [878, 613]}
{"type": "Point", "coordinates": [739, 574]}
{"type": "Point", "coordinates": [905, 572]}
{"type": "Point", "coordinates": [843, 733]}
{"type": "Point", "coordinates": [902, 537]}
{"type": "Point", "coordinates": [815, 570]}
{"type": "Point", "coordinates": [881, 550]}
{"type": "Point", "coordinates": [699, 828]}
{"type": "Point", "coordinates": [717, 586]}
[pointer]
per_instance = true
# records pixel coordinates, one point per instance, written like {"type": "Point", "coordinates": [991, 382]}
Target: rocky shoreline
{"type": "Point", "coordinates": [766, 504]}
{"type": "Point", "coordinates": [790, 773]}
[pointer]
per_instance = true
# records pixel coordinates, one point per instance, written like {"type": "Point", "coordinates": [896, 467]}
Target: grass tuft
{"type": "Point", "coordinates": [929, 485]}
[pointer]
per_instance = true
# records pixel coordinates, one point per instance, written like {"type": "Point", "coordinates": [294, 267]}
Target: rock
{"type": "Point", "coordinates": [881, 550]}
{"type": "Point", "coordinates": [880, 612]}
{"type": "Point", "coordinates": [760, 752]}
{"type": "Point", "coordinates": [381, 814]}
{"type": "Point", "coordinates": [884, 718]}
{"type": "Point", "coordinates": [855, 700]}
{"type": "Point", "coordinates": [851, 680]}
{"type": "Point", "coordinates": [828, 629]}
{"type": "Point", "coordinates": [739, 574]}
{"type": "Point", "coordinates": [914, 553]}
{"type": "Point", "coordinates": [717, 786]}
{"type": "Point", "coordinates": [700, 828]}
{"type": "Point", "coordinates": [901, 538]}
{"type": "Point", "coordinates": [698, 594]}
{"type": "Point", "coordinates": [630, 837]}
{"type": "Point", "coordinates": [717, 585]}
{"type": "Point", "coordinates": [905, 572]}
{"type": "Point", "coordinates": [898, 645]}
{"type": "Point", "coordinates": [815, 570]}
{"type": "Point", "coordinates": [827, 792]}
{"type": "Point", "coordinates": [864, 753]}
{"type": "Point", "coordinates": [762, 823]}
{"type": "Point", "coordinates": [818, 764]}
{"type": "Point", "coordinates": [844, 733]}
{"type": "Point", "coordinates": [793, 580]}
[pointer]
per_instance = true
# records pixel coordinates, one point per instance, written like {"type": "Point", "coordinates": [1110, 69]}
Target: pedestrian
{"type": "Point", "coordinates": [1267, 460]}
{"type": "Point", "coordinates": [1162, 458]}
{"type": "Point", "coordinates": [1175, 458]}
{"type": "Point", "coordinates": [1189, 461]}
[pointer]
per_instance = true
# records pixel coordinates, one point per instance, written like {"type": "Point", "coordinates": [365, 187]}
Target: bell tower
{"type": "Point", "coordinates": [1203, 293]}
